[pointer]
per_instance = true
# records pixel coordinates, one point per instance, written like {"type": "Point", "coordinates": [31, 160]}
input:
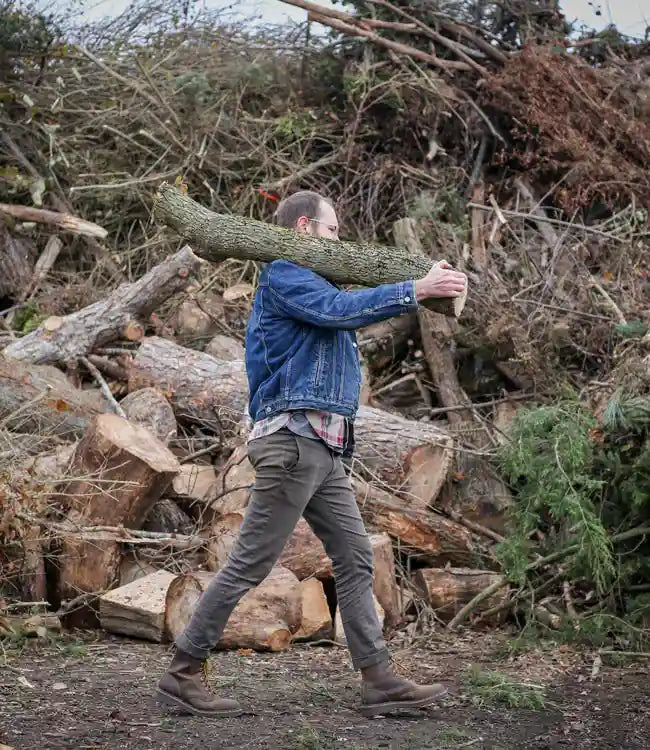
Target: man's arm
{"type": "Point", "coordinates": [301, 294]}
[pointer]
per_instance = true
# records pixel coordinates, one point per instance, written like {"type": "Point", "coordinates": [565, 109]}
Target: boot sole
{"type": "Point", "coordinates": [173, 700]}
{"type": "Point", "coordinates": [378, 709]}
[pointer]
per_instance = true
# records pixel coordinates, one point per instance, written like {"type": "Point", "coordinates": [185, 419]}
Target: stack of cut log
{"type": "Point", "coordinates": [133, 520]}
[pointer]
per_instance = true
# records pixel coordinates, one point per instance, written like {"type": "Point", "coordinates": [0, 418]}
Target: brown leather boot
{"type": "Point", "coordinates": [184, 684]}
{"type": "Point", "coordinates": [382, 691]}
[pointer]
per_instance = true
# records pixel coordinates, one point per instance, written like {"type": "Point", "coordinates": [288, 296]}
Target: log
{"type": "Point", "coordinates": [234, 483]}
{"type": "Point", "coordinates": [137, 610]}
{"type": "Point", "coordinates": [17, 256]}
{"type": "Point", "coordinates": [316, 619]}
{"type": "Point", "coordinates": [382, 343]}
{"type": "Point", "coordinates": [195, 484]}
{"type": "Point", "coordinates": [165, 517]}
{"type": "Point", "coordinates": [63, 221]}
{"type": "Point", "coordinates": [41, 400]}
{"type": "Point", "coordinates": [149, 408]}
{"type": "Point", "coordinates": [201, 388]}
{"type": "Point", "coordinates": [448, 590]}
{"type": "Point", "coordinates": [120, 470]}
{"type": "Point", "coordinates": [413, 456]}
{"type": "Point", "coordinates": [58, 340]}
{"type": "Point", "coordinates": [385, 586]}
{"type": "Point", "coordinates": [132, 568]}
{"type": "Point", "coordinates": [225, 347]}
{"type": "Point", "coordinates": [265, 619]}
{"type": "Point", "coordinates": [221, 236]}
{"type": "Point", "coordinates": [424, 534]}
{"type": "Point", "coordinates": [32, 571]}
{"type": "Point", "coordinates": [303, 554]}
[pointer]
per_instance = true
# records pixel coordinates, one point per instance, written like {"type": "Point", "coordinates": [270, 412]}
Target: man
{"type": "Point", "coordinates": [304, 378]}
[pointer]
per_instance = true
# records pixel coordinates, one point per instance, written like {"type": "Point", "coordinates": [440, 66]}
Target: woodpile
{"type": "Point", "coordinates": [141, 500]}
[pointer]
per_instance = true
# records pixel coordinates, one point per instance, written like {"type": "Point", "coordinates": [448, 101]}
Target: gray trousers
{"type": "Point", "coordinates": [295, 476]}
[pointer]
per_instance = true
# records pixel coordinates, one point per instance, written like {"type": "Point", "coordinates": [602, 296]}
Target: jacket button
{"type": "Point", "coordinates": [268, 409]}
{"type": "Point", "coordinates": [354, 345]}
{"type": "Point", "coordinates": [407, 299]}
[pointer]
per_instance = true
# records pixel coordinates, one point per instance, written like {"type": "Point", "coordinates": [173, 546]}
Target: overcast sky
{"type": "Point", "coordinates": [631, 16]}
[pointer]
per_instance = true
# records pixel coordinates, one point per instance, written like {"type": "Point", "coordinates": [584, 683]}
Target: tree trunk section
{"type": "Point", "coordinates": [121, 470]}
{"type": "Point", "coordinates": [41, 400]}
{"type": "Point", "coordinates": [221, 236]}
{"type": "Point", "coordinates": [303, 554]}
{"type": "Point", "coordinates": [32, 573]}
{"type": "Point", "coordinates": [149, 407]}
{"type": "Point", "coordinates": [17, 258]}
{"type": "Point", "coordinates": [137, 610]}
{"type": "Point", "coordinates": [413, 457]}
{"type": "Point", "coordinates": [385, 585]}
{"type": "Point", "coordinates": [195, 488]}
{"type": "Point", "coordinates": [316, 620]}
{"type": "Point", "coordinates": [264, 620]}
{"type": "Point", "coordinates": [132, 568]}
{"type": "Point", "coordinates": [201, 389]}
{"type": "Point", "coordinates": [448, 590]}
{"type": "Point", "coordinates": [59, 340]}
{"type": "Point", "coordinates": [422, 534]}
{"type": "Point", "coordinates": [165, 517]}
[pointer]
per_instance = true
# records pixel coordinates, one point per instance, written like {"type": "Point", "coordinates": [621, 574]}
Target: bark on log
{"type": "Point", "coordinates": [17, 256]}
{"type": "Point", "coordinates": [220, 236]}
{"type": "Point", "coordinates": [40, 399]}
{"type": "Point", "coordinates": [165, 517]}
{"type": "Point", "coordinates": [412, 456]}
{"type": "Point", "coordinates": [423, 534]}
{"type": "Point", "coordinates": [200, 388]}
{"type": "Point", "coordinates": [137, 610]}
{"type": "Point", "coordinates": [32, 572]}
{"type": "Point", "coordinates": [149, 407]}
{"type": "Point", "coordinates": [265, 619]}
{"type": "Point", "coordinates": [59, 340]}
{"type": "Point", "coordinates": [385, 585]}
{"type": "Point", "coordinates": [225, 347]}
{"type": "Point", "coordinates": [448, 590]}
{"type": "Point", "coordinates": [316, 620]}
{"type": "Point", "coordinates": [121, 470]}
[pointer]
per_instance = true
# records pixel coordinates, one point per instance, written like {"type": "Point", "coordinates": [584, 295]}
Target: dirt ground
{"type": "Point", "coordinates": [96, 692]}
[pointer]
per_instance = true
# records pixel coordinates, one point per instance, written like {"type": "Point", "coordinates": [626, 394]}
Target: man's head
{"type": "Point", "coordinates": [309, 213]}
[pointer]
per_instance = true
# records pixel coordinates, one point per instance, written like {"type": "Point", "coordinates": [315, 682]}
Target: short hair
{"type": "Point", "coordinates": [303, 203]}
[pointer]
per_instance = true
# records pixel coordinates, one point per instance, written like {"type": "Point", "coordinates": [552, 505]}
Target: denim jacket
{"type": "Point", "coordinates": [301, 349]}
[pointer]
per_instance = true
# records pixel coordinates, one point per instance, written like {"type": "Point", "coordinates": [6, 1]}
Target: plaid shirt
{"type": "Point", "coordinates": [330, 428]}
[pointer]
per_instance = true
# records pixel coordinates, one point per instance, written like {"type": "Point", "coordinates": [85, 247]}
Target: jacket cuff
{"type": "Point", "coordinates": [406, 295]}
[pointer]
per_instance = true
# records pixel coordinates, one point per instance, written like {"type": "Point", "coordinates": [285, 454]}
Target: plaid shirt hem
{"type": "Point", "coordinates": [330, 428]}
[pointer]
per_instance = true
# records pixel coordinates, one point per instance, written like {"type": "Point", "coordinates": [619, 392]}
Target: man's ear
{"type": "Point", "coordinates": [302, 224]}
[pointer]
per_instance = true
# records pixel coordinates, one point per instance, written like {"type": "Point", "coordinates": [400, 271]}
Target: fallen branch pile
{"type": "Point", "coordinates": [472, 137]}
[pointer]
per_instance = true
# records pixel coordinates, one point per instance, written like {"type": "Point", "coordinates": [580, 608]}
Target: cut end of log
{"type": "Point", "coordinates": [53, 323]}
{"type": "Point", "coordinates": [137, 441]}
{"type": "Point", "coordinates": [133, 332]}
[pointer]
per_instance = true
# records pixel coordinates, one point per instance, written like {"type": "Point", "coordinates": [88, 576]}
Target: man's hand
{"type": "Point", "coordinates": [441, 281]}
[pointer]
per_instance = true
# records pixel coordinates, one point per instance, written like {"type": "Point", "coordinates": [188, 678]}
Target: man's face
{"type": "Point", "coordinates": [324, 224]}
